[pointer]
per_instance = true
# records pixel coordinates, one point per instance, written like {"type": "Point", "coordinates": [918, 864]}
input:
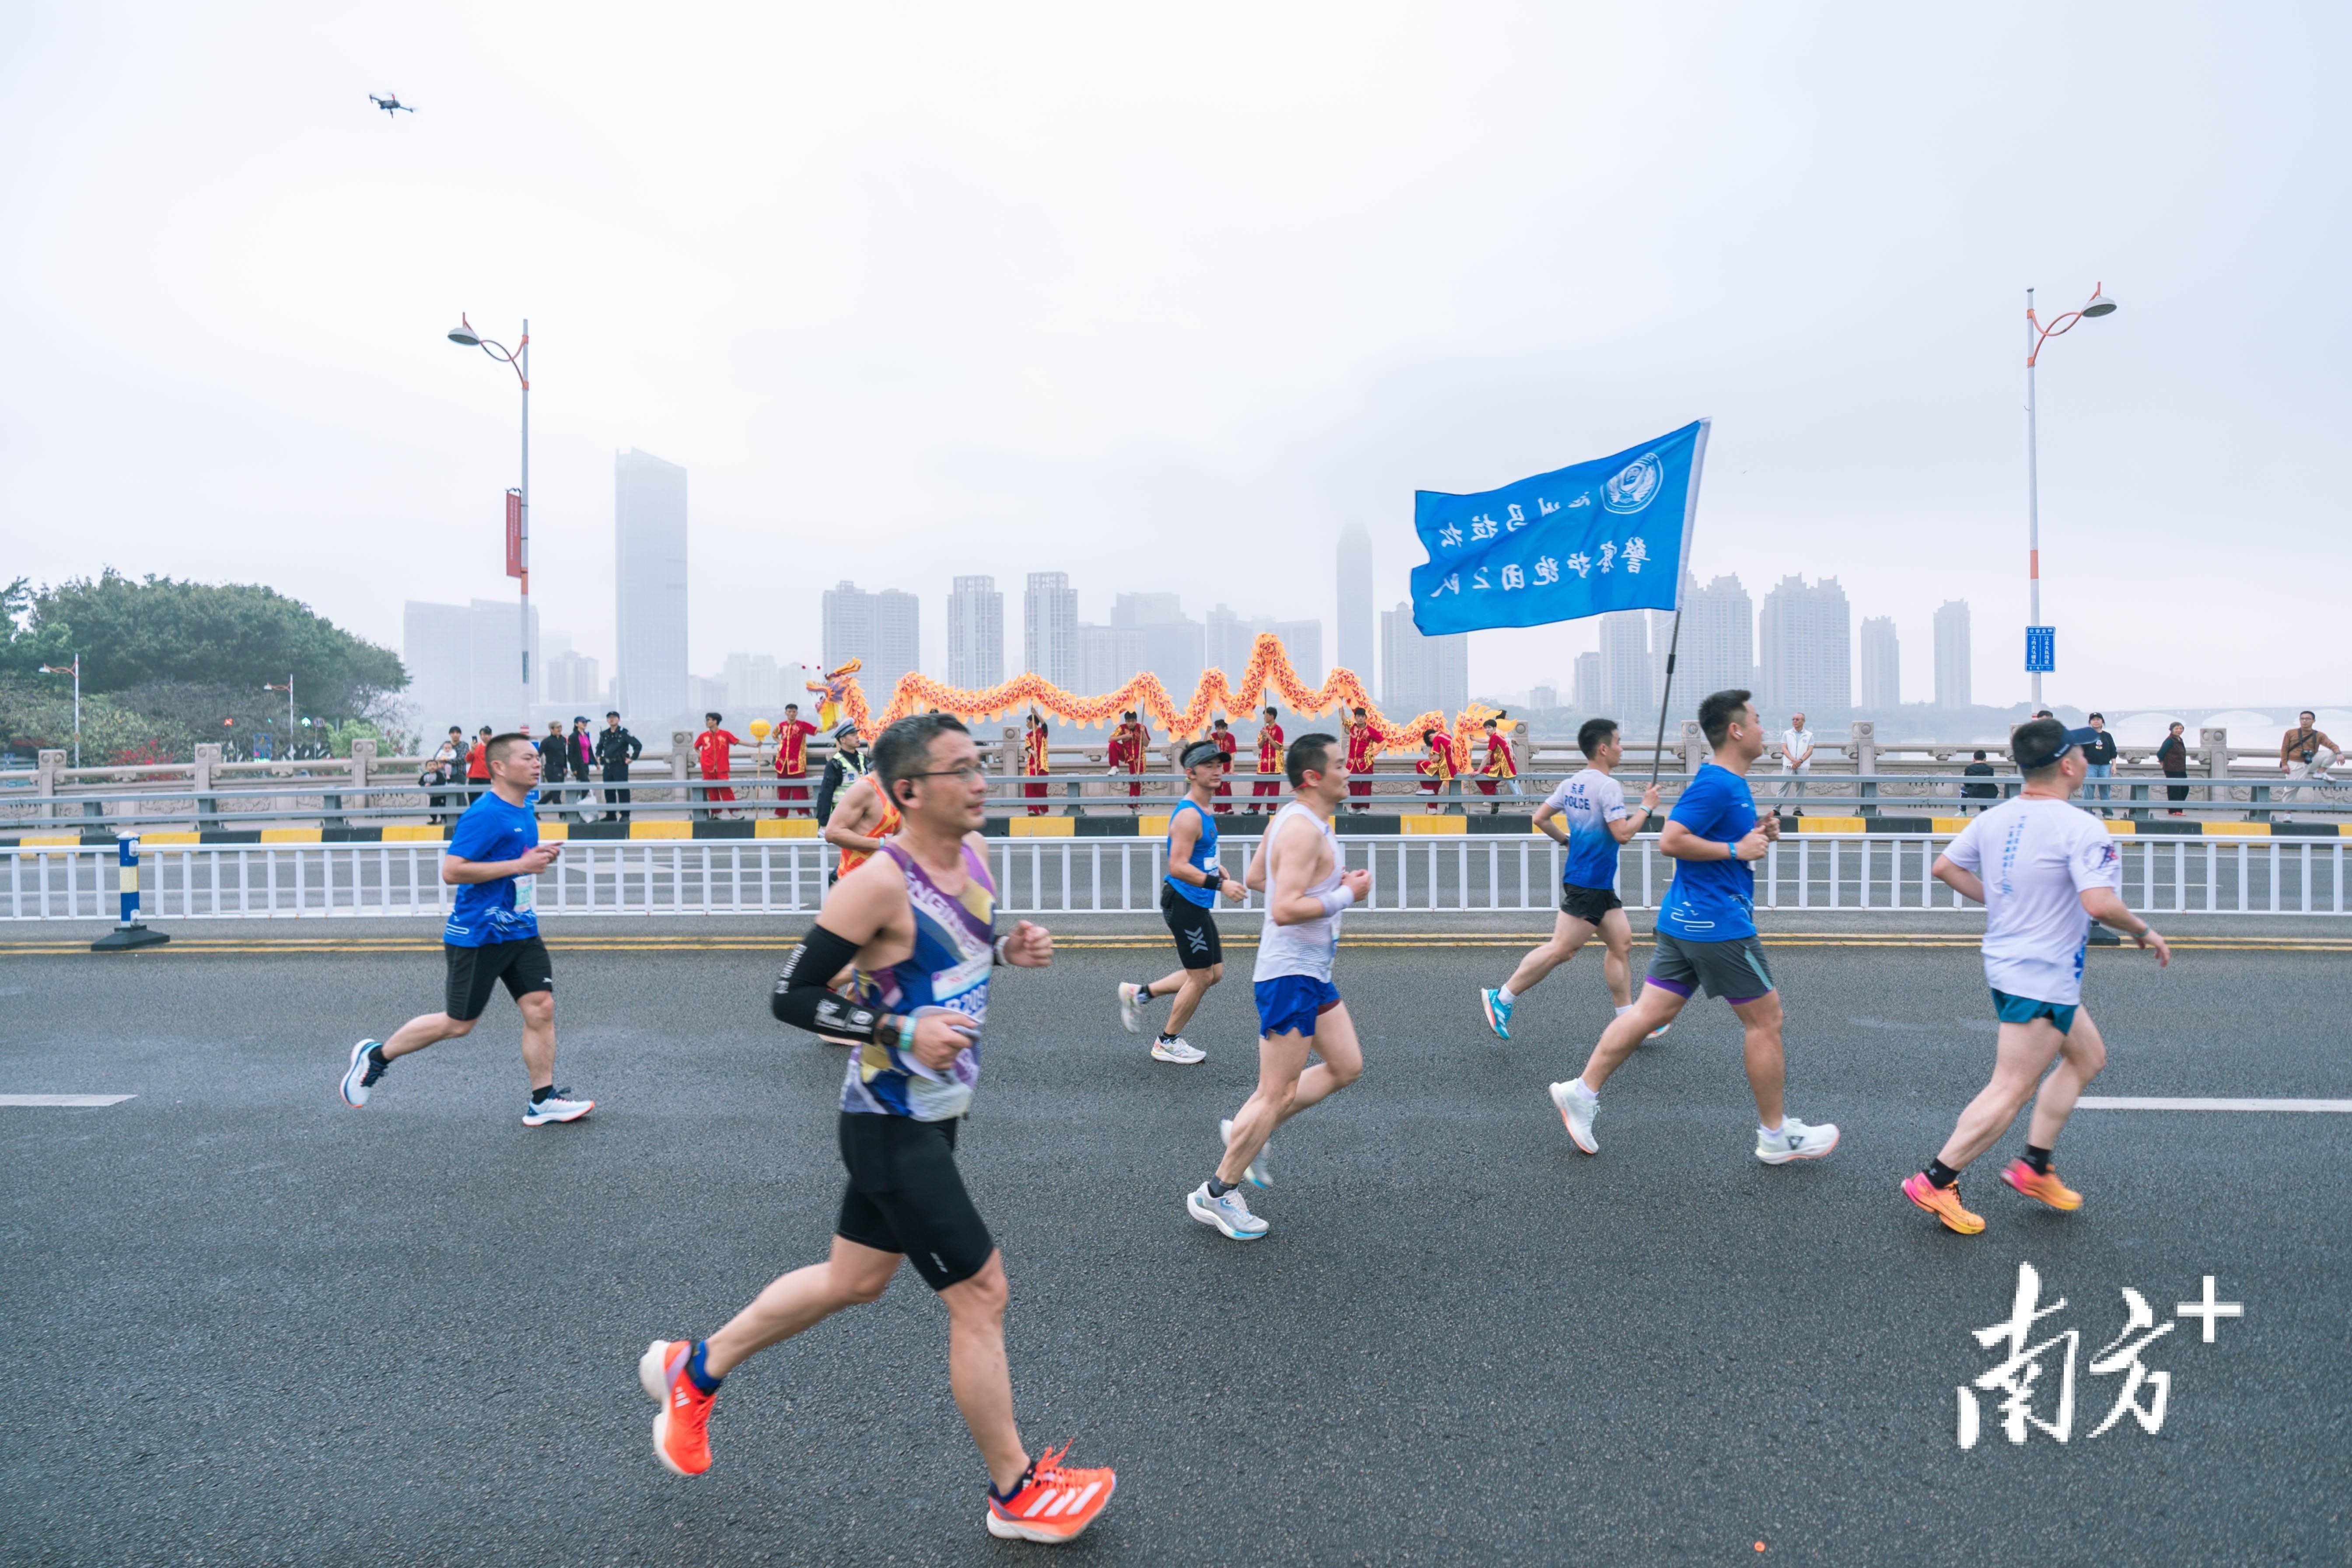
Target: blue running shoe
{"type": "Point", "coordinates": [1498, 1012]}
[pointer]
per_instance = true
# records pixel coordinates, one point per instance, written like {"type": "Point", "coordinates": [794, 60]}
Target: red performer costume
{"type": "Point", "coordinates": [1036, 764]}
{"type": "Point", "coordinates": [1270, 761]}
{"type": "Point", "coordinates": [1226, 740]}
{"type": "Point", "coordinates": [1138, 757]}
{"type": "Point", "coordinates": [1363, 736]}
{"type": "Point", "coordinates": [1437, 766]}
{"type": "Point", "coordinates": [1501, 763]}
{"type": "Point", "coordinates": [792, 762]}
{"type": "Point", "coordinates": [712, 750]}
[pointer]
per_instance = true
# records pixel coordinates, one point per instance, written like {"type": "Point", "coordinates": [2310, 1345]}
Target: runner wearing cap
{"type": "Point", "coordinates": [2043, 872]}
{"type": "Point", "coordinates": [1190, 882]}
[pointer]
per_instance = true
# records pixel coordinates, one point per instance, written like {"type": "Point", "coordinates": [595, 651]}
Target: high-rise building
{"type": "Point", "coordinates": [975, 633]}
{"type": "Point", "coordinates": [1417, 672]}
{"type": "Point", "coordinates": [649, 588]}
{"type": "Point", "coordinates": [1357, 625]}
{"type": "Point", "coordinates": [1952, 667]}
{"type": "Point", "coordinates": [1172, 643]}
{"type": "Point", "coordinates": [494, 657]}
{"type": "Point", "coordinates": [1049, 630]}
{"type": "Point", "coordinates": [1628, 679]}
{"type": "Point", "coordinates": [573, 679]}
{"type": "Point", "coordinates": [754, 686]}
{"type": "Point", "coordinates": [898, 642]}
{"type": "Point", "coordinates": [848, 629]}
{"type": "Point", "coordinates": [1882, 666]}
{"type": "Point", "coordinates": [1543, 696]}
{"type": "Point", "coordinates": [1228, 640]}
{"type": "Point", "coordinates": [1805, 649]}
{"type": "Point", "coordinates": [1106, 658]}
{"type": "Point", "coordinates": [1718, 641]}
{"type": "Point", "coordinates": [1585, 691]}
{"type": "Point", "coordinates": [436, 648]}
{"type": "Point", "coordinates": [1303, 641]}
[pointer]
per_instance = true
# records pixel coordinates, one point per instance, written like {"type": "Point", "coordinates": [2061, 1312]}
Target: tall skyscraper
{"type": "Point", "coordinates": [1173, 644]}
{"type": "Point", "coordinates": [1952, 681]}
{"type": "Point", "coordinates": [1806, 648]}
{"type": "Point", "coordinates": [1417, 672]}
{"type": "Point", "coordinates": [848, 629]}
{"type": "Point", "coordinates": [754, 686]}
{"type": "Point", "coordinates": [573, 679]}
{"type": "Point", "coordinates": [898, 642]}
{"type": "Point", "coordinates": [1585, 691]}
{"type": "Point", "coordinates": [1303, 641]}
{"type": "Point", "coordinates": [436, 648]}
{"type": "Point", "coordinates": [1356, 627]}
{"type": "Point", "coordinates": [1718, 646]}
{"type": "Point", "coordinates": [1049, 629]}
{"type": "Point", "coordinates": [1107, 659]}
{"type": "Point", "coordinates": [1229, 639]}
{"type": "Point", "coordinates": [975, 633]}
{"type": "Point", "coordinates": [649, 588]}
{"type": "Point", "coordinates": [1628, 679]}
{"type": "Point", "coordinates": [1882, 666]}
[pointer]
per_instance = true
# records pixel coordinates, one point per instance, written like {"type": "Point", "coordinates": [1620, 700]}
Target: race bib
{"type": "Point", "coordinates": [526, 895]}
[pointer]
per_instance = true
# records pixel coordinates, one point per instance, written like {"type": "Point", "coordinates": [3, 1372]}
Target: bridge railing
{"type": "Point", "coordinates": [1412, 873]}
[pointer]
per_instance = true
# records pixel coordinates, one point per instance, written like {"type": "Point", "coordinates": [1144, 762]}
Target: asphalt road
{"type": "Point", "coordinates": [250, 1326]}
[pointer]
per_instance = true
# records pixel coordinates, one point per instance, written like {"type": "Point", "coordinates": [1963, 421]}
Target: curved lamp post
{"type": "Point", "coordinates": [518, 563]}
{"type": "Point", "coordinates": [2036, 335]}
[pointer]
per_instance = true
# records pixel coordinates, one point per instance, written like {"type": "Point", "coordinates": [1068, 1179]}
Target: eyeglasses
{"type": "Point", "coordinates": [964, 774]}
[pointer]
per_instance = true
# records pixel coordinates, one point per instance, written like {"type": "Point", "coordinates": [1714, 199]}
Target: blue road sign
{"type": "Point", "coordinates": [2041, 649]}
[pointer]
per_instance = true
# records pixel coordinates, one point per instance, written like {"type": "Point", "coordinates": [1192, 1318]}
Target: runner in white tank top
{"type": "Point", "coordinates": [1299, 1008]}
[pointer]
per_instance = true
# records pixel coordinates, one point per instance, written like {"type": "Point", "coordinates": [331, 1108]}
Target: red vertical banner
{"type": "Point", "coordinates": [514, 533]}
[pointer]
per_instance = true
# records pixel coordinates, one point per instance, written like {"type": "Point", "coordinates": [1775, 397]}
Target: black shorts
{"type": "Point", "coordinates": [1735, 970]}
{"type": "Point", "coordinates": [905, 1196]}
{"type": "Point", "coordinates": [1588, 904]}
{"type": "Point", "coordinates": [523, 965]}
{"type": "Point", "coordinates": [1194, 929]}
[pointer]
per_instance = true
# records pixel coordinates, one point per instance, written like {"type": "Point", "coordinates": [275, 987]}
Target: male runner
{"type": "Point", "coordinates": [1706, 936]}
{"type": "Point", "coordinates": [615, 749]}
{"type": "Point", "coordinates": [1299, 1008]}
{"type": "Point", "coordinates": [792, 762]}
{"type": "Point", "coordinates": [1222, 734]}
{"type": "Point", "coordinates": [2043, 872]}
{"type": "Point", "coordinates": [1190, 884]}
{"type": "Point", "coordinates": [1269, 762]}
{"type": "Point", "coordinates": [1364, 738]}
{"type": "Point", "coordinates": [863, 816]}
{"type": "Point", "coordinates": [714, 752]}
{"type": "Point", "coordinates": [493, 860]}
{"type": "Point", "coordinates": [1592, 803]}
{"type": "Point", "coordinates": [917, 923]}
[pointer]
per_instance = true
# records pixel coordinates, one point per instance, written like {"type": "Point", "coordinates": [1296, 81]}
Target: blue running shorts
{"type": "Point", "coordinates": [2025, 1009]}
{"type": "Point", "coordinates": [1290, 1003]}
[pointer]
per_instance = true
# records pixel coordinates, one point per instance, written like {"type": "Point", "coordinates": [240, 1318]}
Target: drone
{"type": "Point", "coordinates": [390, 103]}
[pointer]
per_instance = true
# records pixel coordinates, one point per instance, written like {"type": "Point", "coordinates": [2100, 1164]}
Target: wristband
{"type": "Point", "coordinates": [998, 949]}
{"type": "Point", "coordinates": [1335, 900]}
{"type": "Point", "coordinates": [907, 1032]}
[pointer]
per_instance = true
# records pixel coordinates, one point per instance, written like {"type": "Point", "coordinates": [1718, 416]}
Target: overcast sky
{"type": "Point", "coordinates": [1161, 296]}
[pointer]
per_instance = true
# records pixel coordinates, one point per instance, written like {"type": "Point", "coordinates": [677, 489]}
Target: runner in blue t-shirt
{"type": "Point", "coordinates": [494, 860]}
{"type": "Point", "coordinates": [1592, 806]}
{"type": "Point", "coordinates": [1190, 881]}
{"type": "Point", "coordinates": [1706, 936]}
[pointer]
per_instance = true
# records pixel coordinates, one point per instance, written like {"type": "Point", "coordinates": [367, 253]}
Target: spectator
{"type": "Point", "coordinates": [583, 759]}
{"type": "Point", "coordinates": [445, 768]}
{"type": "Point", "coordinates": [714, 748]}
{"type": "Point", "coordinates": [1796, 757]}
{"type": "Point", "coordinates": [2099, 766]}
{"type": "Point", "coordinates": [2304, 753]}
{"type": "Point", "coordinates": [846, 767]}
{"type": "Point", "coordinates": [2173, 758]}
{"type": "Point", "coordinates": [477, 767]}
{"type": "Point", "coordinates": [615, 749]}
{"type": "Point", "coordinates": [554, 766]}
{"type": "Point", "coordinates": [1978, 769]}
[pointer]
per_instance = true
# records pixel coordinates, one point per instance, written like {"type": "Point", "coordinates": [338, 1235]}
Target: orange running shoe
{"type": "Point", "coordinates": [1052, 1503]}
{"type": "Point", "coordinates": [1943, 1203]}
{"type": "Point", "coordinates": [2042, 1189]}
{"type": "Point", "coordinates": [682, 1430]}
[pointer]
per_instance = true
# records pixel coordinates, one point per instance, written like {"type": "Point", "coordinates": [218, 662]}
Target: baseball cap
{"type": "Point", "coordinates": [2068, 741]}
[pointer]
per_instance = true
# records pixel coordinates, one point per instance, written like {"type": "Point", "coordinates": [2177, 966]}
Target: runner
{"type": "Point", "coordinates": [2056, 870]}
{"type": "Point", "coordinates": [1221, 733]}
{"type": "Point", "coordinates": [1706, 936]}
{"type": "Point", "coordinates": [714, 752]}
{"type": "Point", "coordinates": [1437, 767]}
{"type": "Point", "coordinates": [493, 860]}
{"type": "Point", "coordinates": [1499, 764]}
{"type": "Point", "coordinates": [792, 762]}
{"type": "Point", "coordinates": [1269, 763]}
{"type": "Point", "coordinates": [1592, 803]}
{"type": "Point", "coordinates": [1037, 761]}
{"type": "Point", "coordinates": [1299, 1008]}
{"type": "Point", "coordinates": [863, 816]}
{"type": "Point", "coordinates": [917, 919]}
{"type": "Point", "coordinates": [1189, 883]}
{"type": "Point", "coordinates": [1364, 738]}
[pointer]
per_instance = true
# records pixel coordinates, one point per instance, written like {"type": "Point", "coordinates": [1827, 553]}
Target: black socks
{"type": "Point", "coordinates": [1218, 1189]}
{"type": "Point", "coordinates": [1941, 1175]}
{"type": "Point", "coordinates": [537, 1094]}
{"type": "Point", "coordinates": [2039, 1159]}
{"type": "Point", "coordinates": [377, 1060]}
{"type": "Point", "coordinates": [1165, 1036]}
{"type": "Point", "coordinates": [1014, 1491]}
{"type": "Point", "coordinates": [1143, 991]}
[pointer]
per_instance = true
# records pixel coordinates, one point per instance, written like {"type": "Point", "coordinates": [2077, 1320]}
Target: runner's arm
{"type": "Point", "coordinates": [1625, 826]}
{"type": "Point", "coordinates": [1545, 814]}
{"type": "Point", "coordinates": [855, 810]}
{"type": "Point", "coordinates": [1959, 878]}
{"type": "Point", "coordinates": [2106, 906]}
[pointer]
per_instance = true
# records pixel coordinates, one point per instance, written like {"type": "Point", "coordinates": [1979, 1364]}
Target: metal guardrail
{"type": "Point", "coordinates": [1411, 874]}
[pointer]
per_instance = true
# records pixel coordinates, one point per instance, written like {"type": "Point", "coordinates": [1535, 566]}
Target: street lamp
{"type": "Point", "coordinates": [289, 689]}
{"type": "Point", "coordinates": [519, 506]}
{"type": "Point", "coordinates": [2041, 644]}
{"type": "Point", "coordinates": [73, 669]}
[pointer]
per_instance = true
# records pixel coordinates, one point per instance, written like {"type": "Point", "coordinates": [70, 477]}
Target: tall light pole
{"type": "Point", "coordinates": [73, 669]}
{"type": "Point", "coordinates": [289, 689]}
{"type": "Point", "coordinates": [519, 518]}
{"type": "Point", "coordinates": [2036, 335]}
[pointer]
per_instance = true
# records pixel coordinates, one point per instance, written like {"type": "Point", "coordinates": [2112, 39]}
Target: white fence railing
{"type": "Point", "coordinates": [1412, 873]}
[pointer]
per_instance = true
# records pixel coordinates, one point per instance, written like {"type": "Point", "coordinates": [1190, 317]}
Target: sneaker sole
{"type": "Point", "coordinates": [1486, 1005]}
{"type": "Point", "coordinates": [655, 1380]}
{"type": "Point", "coordinates": [1191, 1062]}
{"type": "Point", "coordinates": [351, 1072]}
{"type": "Point", "coordinates": [1210, 1217]}
{"type": "Point", "coordinates": [2037, 1197]}
{"type": "Point", "coordinates": [1581, 1143]}
{"type": "Point", "coordinates": [558, 1120]}
{"type": "Point", "coordinates": [1943, 1218]}
{"type": "Point", "coordinates": [1005, 1529]}
{"type": "Point", "coordinates": [1799, 1153]}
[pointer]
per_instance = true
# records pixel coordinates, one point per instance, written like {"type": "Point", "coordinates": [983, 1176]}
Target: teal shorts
{"type": "Point", "coordinates": [2025, 1009]}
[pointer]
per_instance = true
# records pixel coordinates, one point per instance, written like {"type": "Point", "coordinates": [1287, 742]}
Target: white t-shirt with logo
{"type": "Point", "coordinates": [1793, 741]}
{"type": "Point", "coordinates": [2036, 856]}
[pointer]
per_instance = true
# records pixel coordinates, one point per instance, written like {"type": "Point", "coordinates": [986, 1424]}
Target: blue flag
{"type": "Point", "coordinates": [1605, 535]}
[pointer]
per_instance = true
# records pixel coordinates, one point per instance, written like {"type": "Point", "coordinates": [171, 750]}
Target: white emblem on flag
{"type": "Point", "coordinates": [1635, 485]}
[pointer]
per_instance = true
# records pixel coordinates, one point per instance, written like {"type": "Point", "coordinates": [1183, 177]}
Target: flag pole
{"type": "Point", "coordinates": [1657, 747]}
{"type": "Point", "coordinates": [1682, 577]}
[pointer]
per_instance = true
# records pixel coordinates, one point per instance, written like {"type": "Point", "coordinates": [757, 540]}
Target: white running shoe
{"type": "Point", "coordinates": [558, 1106]}
{"type": "Point", "coordinates": [1259, 1175]}
{"type": "Point", "coordinates": [1229, 1214]}
{"type": "Point", "coordinates": [1131, 1006]}
{"type": "Point", "coordinates": [358, 1078]}
{"type": "Point", "coordinates": [1178, 1049]}
{"type": "Point", "coordinates": [1657, 1034]}
{"type": "Point", "coordinates": [1576, 1110]}
{"type": "Point", "coordinates": [1795, 1141]}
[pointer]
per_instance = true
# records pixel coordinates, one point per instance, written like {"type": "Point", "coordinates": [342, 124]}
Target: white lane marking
{"type": "Point", "coordinates": [65, 1100]}
{"type": "Point", "coordinates": [2140, 1102]}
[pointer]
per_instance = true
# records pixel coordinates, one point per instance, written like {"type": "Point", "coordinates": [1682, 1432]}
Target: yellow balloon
{"type": "Point", "coordinates": [759, 727]}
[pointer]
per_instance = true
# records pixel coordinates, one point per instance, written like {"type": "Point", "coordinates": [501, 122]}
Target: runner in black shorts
{"type": "Point", "coordinates": [914, 1028]}
{"type": "Point", "coordinates": [1190, 882]}
{"type": "Point", "coordinates": [494, 860]}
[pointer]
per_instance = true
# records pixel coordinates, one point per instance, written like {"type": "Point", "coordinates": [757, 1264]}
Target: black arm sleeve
{"type": "Point", "coordinates": [804, 997]}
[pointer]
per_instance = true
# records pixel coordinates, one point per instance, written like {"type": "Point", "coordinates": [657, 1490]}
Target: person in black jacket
{"type": "Point", "coordinates": [1979, 769]}
{"type": "Point", "coordinates": [554, 766]}
{"type": "Point", "coordinates": [2100, 755]}
{"type": "Point", "coordinates": [615, 749]}
{"type": "Point", "coordinates": [844, 768]}
{"type": "Point", "coordinates": [2173, 758]}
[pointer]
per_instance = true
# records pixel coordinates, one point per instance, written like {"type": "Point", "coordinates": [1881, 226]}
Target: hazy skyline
{"type": "Point", "coordinates": [912, 294]}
